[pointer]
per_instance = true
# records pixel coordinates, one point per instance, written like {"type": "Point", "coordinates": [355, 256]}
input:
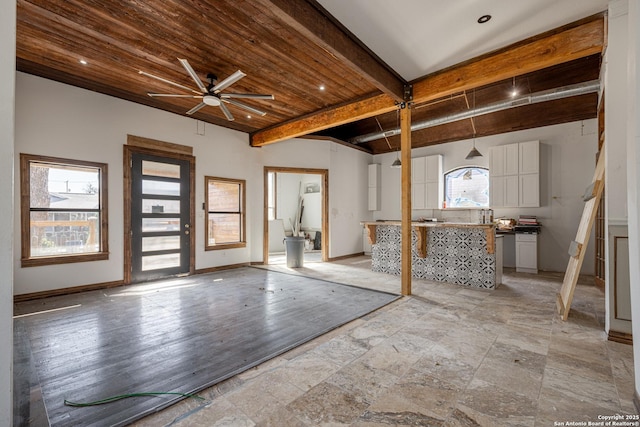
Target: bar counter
{"type": "Point", "coordinates": [460, 253]}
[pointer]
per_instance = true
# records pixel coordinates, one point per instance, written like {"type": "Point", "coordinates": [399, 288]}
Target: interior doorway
{"type": "Point", "coordinates": [159, 213]}
{"type": "Point", "coordinates": [296, 203]}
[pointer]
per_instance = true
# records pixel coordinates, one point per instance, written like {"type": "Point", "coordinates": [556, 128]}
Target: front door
{"type": "Point", "coordinates": [160, 217]}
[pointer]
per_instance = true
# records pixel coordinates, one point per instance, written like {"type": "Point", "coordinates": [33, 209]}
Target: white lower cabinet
{"type": "Point", "coordinates": [527, 253]}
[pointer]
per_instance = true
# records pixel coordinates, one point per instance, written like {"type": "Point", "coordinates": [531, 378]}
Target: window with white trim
{"type": "Point", "coordinates": [467, 187]}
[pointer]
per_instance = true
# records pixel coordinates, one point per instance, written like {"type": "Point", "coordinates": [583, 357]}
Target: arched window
{"type": "Point", "coordinates": [467, 187]}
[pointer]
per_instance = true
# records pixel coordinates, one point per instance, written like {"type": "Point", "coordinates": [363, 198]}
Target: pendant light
{"type": "Point", "coordinates": [396, 163]}
{"type": "Point", "coordinates": [474, 151]}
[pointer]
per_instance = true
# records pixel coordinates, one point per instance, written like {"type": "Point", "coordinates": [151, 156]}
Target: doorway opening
{"type": "Point", "coordinates": [296, 204]}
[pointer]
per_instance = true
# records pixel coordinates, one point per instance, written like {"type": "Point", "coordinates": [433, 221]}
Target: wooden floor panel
{"type": "Point", "coordinates": [178, 335]}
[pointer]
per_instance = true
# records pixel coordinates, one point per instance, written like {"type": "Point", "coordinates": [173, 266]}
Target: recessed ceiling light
{"type": "Point", "coordinates": [321, 87]}
{"type": "Point", "coordinates": [83, 62]}
{"type": "Point", "coordinates": [483, 19]}
{"type": "Point", "coordinates": [248, 116]}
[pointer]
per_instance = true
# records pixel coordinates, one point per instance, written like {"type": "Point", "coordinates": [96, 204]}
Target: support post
{"type": "Point", "coordinates": [405, 156]}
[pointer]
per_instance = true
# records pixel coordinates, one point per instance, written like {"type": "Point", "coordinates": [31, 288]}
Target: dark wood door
{"type": "Point", "coordinates": [160, 217]}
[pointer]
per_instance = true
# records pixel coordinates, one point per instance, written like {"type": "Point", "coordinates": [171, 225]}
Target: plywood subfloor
{"type": "Point", "coordinates": [179, 335]}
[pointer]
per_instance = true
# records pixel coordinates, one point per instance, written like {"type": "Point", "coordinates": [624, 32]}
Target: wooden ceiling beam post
{"type": "Point", "coordinates": [325, 119]}
{"type": "Point", "coordinates": [314, 23]}
{"type": "Point", "coordinates": [557, 47]}
{"type": "Point", "coordinates": [405, 156]}
{"type": "Point", "coordinates": [573, 42]}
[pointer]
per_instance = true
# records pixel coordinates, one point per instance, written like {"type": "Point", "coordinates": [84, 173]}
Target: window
{"type": "Point", "coordinates": [63, 210]}
{"type": "Point", "coordinates": [271, 198]}
{"type": "Point", "coordinates": [224, 204]}
{"type": "Point", "coordinates": [467, 187]}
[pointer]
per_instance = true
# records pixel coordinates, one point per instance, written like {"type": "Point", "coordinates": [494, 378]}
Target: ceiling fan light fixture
{"type": "Point", "coordinates": [214, 101]}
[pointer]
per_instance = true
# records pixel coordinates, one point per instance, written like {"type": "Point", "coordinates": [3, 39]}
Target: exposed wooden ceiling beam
{"type": "Point", "coordinates": [325, 119]}
{"type": "Point", "coordinates": [576, 41]}
{"type": "Point", "coordinates": [307, 18]}
{"type": "Point", "coordinates": [556, 48]}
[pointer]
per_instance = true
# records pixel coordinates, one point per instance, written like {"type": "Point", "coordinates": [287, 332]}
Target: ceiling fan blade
{"type": "Point", "coordinates": [193, 75]}
{"type": "Point", "coordinates": [196, 108]}
{"type": "Point", "coordinates": [226, 112]}
{"type": "Point", "coordinates": [246, 95]}
{"type": "Point", "coordinates": [245, 106]}
{"type": "Point", "coordinates": [173, 95]}
{"type": "Point", "coordinates": [168, 81]}
{"type": "Point", "coordinates": [228, 81]}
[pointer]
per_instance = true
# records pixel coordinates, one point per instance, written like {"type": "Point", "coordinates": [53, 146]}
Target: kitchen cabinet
{"type": "Point", "coordinates": [427, 191]}
{"type": "Point", "coordinates": [514, 175]}
{"type": "Point", "coordinates": [374, 187]}
{"type": "Point", "coordinates": [527, 253]}
{"type": "Point", "coordinates": [529, 190]}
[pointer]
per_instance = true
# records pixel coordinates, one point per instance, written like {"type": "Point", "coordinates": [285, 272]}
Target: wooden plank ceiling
{"type": "Point", "coordinates": [289, 48]}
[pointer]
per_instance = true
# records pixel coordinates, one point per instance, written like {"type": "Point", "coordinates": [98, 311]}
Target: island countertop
{"type": "Point", "coordinates": [431, 224]}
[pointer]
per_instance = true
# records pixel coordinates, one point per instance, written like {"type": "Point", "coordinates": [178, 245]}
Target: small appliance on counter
{"type": "Point", "coordinates": [505, 224]}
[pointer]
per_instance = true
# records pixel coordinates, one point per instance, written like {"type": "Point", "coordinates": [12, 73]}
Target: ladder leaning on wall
{"type": "Point", "coordinates": [578, 247]}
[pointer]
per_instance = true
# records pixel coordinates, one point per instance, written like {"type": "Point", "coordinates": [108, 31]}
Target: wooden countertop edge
{"type": "Point", "coordinates": [430, 224]}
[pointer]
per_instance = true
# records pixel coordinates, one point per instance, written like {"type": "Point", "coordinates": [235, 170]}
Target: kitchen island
{"type": "Point", "coordinates": [461, 253]}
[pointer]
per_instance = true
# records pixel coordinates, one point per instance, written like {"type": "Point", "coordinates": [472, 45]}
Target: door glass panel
{"type": "Point", "coordinates": [156, 262]}
{"type": "Point", "coordinates": [160, 206]}
{"type": "Point", "coordinates": [161, 188]}
{"type": "Point", "coordinates": [166, 170]}
{"type": "Point", "coordinates": [160, 243]}
{"type": "Point", "coordinates": [160, 224]}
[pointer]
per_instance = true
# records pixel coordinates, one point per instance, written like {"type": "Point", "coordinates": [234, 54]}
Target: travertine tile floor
{"type": "Point", "coordinates": [446, 356]}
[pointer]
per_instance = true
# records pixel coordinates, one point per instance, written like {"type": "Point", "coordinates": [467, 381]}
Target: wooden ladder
{"type": "Point", "coordinates": [578, 247]}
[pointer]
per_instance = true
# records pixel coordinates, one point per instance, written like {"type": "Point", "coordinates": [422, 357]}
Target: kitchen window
{"type": "Point", "coordinates": [224, 205]}
{"type": "Point", "coordinates": [63, 210]}
{"type": "Point", "coordinates": [467, 187]}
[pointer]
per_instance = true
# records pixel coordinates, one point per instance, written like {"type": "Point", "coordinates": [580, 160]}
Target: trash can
{"type": "Point", "coordinates": [294, 247]}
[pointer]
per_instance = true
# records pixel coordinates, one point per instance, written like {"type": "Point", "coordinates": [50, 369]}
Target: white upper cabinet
{"type": "Point", "coordinates": [496, 160]}
{"type": "Point", "coordinates": [529, 159]}
{"type": "Point", "coordinates": [511, 159]}
{"type": "Point", "coordinates": [515, 177]}
{"type": "Point", "coordinates": [419, 170]}
{"type": "Point", "coordinates": [427, 190]}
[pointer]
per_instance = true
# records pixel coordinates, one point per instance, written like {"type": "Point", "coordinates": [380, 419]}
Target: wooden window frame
{"type": "Point", "coordinates": [243, 197]}
{"type": "Point", "coordinates": [25, 212]}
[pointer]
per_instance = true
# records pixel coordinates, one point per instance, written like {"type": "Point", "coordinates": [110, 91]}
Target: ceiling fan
{"type": "Point", "coordinates": [212, 93]}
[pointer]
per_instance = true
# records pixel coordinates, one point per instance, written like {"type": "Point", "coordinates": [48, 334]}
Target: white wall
{"type": "Point", "coordinates": [615, 84]}
{"type": "Point", "coordinates": [290, 186]}
{"type": "Point", "coordinates": [59, 120]}
{"type": "Point", "coordinates": [7, 92]}
{"type": "Point", "coordinates": [567, 163]}
{"type": "Point", "coordinates": [633, 177]}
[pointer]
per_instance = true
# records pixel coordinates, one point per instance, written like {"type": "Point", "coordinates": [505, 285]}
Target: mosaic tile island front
{"type": "Point", "coordinates": [460, 253]}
